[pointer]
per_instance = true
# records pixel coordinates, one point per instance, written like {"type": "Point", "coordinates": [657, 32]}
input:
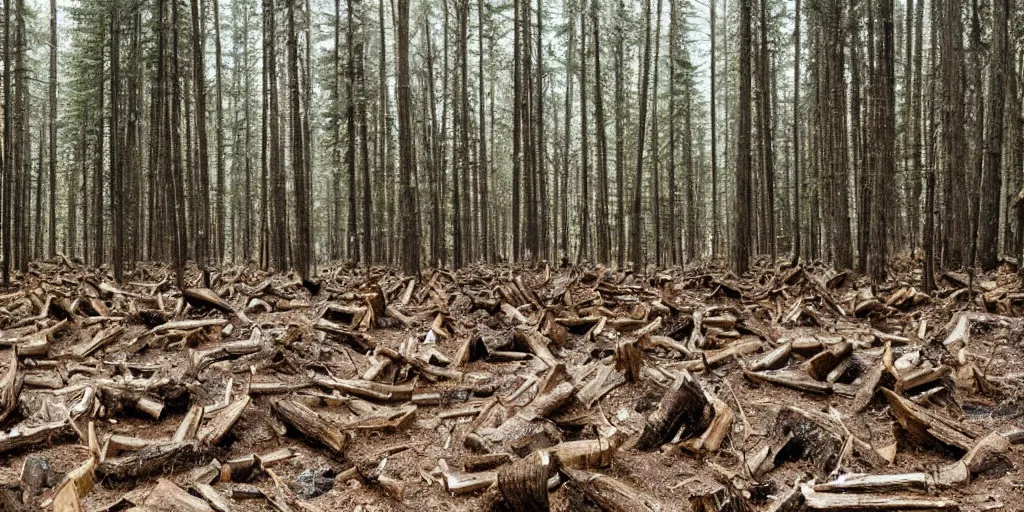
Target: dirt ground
{"type": "Point", "coordinates": [479, 349]}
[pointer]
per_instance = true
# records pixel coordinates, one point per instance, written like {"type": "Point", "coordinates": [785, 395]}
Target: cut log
{"type": "Point", "coordinates": [929, 428]}
{"type": "Point", "coordinates": [456, 483]}
{"type": "Point", "coordinates": [723, 499]}
{"type": "Point", "coordinates": [10, 387]}
{"type": "Point", "coordinates": [790, 379]}
{"type": "Point", "coordinates": [311, 425]}
{"type": "Point", "coordinates": [101, 339]}
{"type": "Point", "coordinates": [168, 497]}
{"type": "Point", "coordinates": [154, 460]}
{"type": "Point", "coordinates": [585, 454]}
{"type": "Point", "coordinates": [721, 425]}
{"type": "Point", "coordinates": [205, 298]}
{"type": "Point", "coordinates": [535, 342]}
{"type": "Point", "coordinates": [75, 486]}
{"type": "Point", "coordinates": [218, 501]}
{"type": "Point", "coordinates": [524, 487]}
{"type": "Point", "coordinates": [773, 360]}
{"type": "Point", "coordinates": [819, 366]}
{"type": "Point", "coordinates": [848, 502]}
{"type": "Point", "coordinates": [23, 437]}
{"type": "Point", "coordinates": [366, 389]}
{"type": "Point", "coordinates": [609, 494]}
{"type": "Point", "coordinates": [188, 325]}
{"type": "Point", "coordinates": [220, 424]}
{"type": "Point", "coordinates": [683, 409]}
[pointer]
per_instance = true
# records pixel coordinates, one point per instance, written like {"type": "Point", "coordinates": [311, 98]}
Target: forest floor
{"type": "Point", "coordinates": [527, 387]}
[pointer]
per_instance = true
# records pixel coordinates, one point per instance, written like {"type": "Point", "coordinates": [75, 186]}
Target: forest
{"type": "Point", "coordinates": [292, 134]}
{"type": "Point", "coordinates": [511, 255]}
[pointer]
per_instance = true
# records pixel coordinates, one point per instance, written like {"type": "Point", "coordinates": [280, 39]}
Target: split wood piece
{"type": "Point", "coordinates": [713, 358]}
{"type": "Point", "coordinates": [466, 483]}
{"type": "Point", "coordinates": [847, 502]}
{"type": "Point", "coordinates": [584, 454]}
{"type": "Point", "coordinates": [535, 342]}
{"type": "Point", "coordinates": [117, 443]}
{"type": "Point", "coordinates": [723, 499]}
{"type": "Point", "coordinates": [389, 422]}
{"type": "Point", "coordinates": [222, 422]}
{"type": "Point", "coordinates": [277, 388]}
{"type": "Point", "coordinates": [206, 298]}
{"type": "Point", "coordinates": [375, 391]}
{"type": "Point", "coordinates": [792, 501]}
{"type": "Point", "coordinates": [868, 388]}
{"type": "Point", "coordinates": [790, 379]}
{"type": "Point", "coordinates": [821, 438]}
{"type": "Point", "coordinates": [606, 378]}
{"type": "Point", "coordinates": [823, 292]}
{"type": "Point", "coordinates": [217, 500]}
{"type": "Point", "coordinates": [402, 318]}
{"type": "Point", "coordinates": [167, 496]}
{"type": "Point", "coordinates": [819, 366]}
{"type": "Point", "coordinates": [684, 409]}
{"type": "Point", "coordinates": [188, 325]}
{"type": "Point", "coordinates": [773, 360]}
{"type": "Point", "coordinates": [189, 426]}
{"type": "Point", "coordinates": [428, 371]}
{"type": "Point", "coordinates": [667, 343]}
{"type": "Point", "coordinates": [878, 483]}
{"type": "Point", "coordinates": [358, 341]}
{"type": "Point", "coordinates": [513, 314]}
{"type": "Point", "coordinates": [609, 494]}
{"type": "Point", "coordinates": [101, 339]}
{"type": "Point", "coordinates": [199, 360]}
{"type": "Point", "coordinates": [922, 377]}
{"type": "Point", "coordinates": [244, 469]}
{"type": "Point", "coordinates": [929, 428]}
{"type": "Point", "coordinates": [311, 425]}
{"type": "Point", "coordinates": [153, 460]}
{"type": "Point", "coordinates": [24, 437]}
{"type": "Point", "coordinates": [524, 487]}
{"type": "Point", "coordinates": [520, 425]}
{"type": "Point", "coordinates": [487, 461]}
{"type": "Point", "coordinates": [345, 314]}
{"type": "Point", "coordinates": [116, 399]}
{"type": "Point", "coordinates": [10, 387]}
{"type": "Point", "coordinates": [628, 359]}
{"type": "Point", "coordinates": [75, 486]}
{"type": "Point", "coordinates": [713, 437]}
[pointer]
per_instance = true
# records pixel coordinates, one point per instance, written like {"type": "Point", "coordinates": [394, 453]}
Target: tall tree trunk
{"type": "Point", "coordinates": [744, 196]}
{"type": "Point", "coordinates": [766, 127]}
{"type": "Point", "coordinates": [220, 231]}
{"type": "Point", "coordinates": [202, 209]}
{"type": "Point", "coordinates": [584, 235]}
{"type": "Point", "coordinates": [52, 189]}
{"type": "Point", "coordinates": [5, 158]}
{"type": "Point", "coordinates": [636, 222]}
{"type": "Point", "coordinates": [410, 229]}
{"type": "Point", "coordinates": [884, 121]}
{"type": "Point", "coordinates": [303, 244]}
{"type": "Point", "coordinates": [991, 182]}
{"type": "Point", "coordinates": [714, 137]}
{"type": "Point", "coordinates": [350, 132]}
{"type": "Point", "coordinates": [796, 136]}
{"type": "Point", "coordinates": [483, 171]}
{"type": "Point", "coordinates": [603, 231]}
{"type": "Point", "coordinates": [117, 193]}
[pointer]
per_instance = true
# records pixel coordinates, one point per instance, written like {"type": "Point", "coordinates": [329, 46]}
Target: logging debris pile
{"type": "Point", "coordinates": [509, 388]}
